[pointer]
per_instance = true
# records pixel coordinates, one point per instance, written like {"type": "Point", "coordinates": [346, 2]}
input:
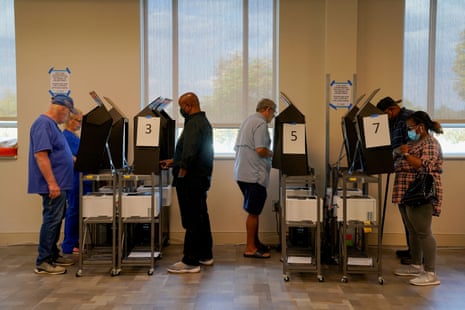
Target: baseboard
{"type": "Point", "coordinates": [18, 238]}
{"type": "Point", "coordinates": [389, 239]}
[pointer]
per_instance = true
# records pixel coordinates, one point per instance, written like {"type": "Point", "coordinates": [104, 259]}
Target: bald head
{"type": "Point", "coordinates": [189, 102]}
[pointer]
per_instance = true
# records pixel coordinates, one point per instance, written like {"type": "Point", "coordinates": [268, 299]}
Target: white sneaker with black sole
{"type": "Point", "coordinates": [409, 270]}
{"type": "Point", "coordinates": [180, 267]}
{"type": "Point", "coordinates": [207, 262]}
{"type": "Point", "coordinates": [47, 268]}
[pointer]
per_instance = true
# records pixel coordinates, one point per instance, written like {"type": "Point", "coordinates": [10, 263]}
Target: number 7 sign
{"type": "Point", "coordinates": [376, 130]}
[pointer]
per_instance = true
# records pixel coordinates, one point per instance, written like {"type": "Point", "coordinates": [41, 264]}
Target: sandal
{"type": "Point", "coordinates": [258, 254]}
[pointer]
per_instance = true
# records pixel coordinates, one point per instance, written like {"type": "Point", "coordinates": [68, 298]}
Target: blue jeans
{"type": "Point", "coordinates": [53, 213]}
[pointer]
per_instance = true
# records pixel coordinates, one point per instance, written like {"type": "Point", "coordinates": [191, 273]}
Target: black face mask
{"type": "Point", "coordinates": [183, 113]}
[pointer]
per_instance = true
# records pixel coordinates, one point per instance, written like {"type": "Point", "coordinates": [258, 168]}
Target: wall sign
{"type": "Point", "coordinates": [341, 94]}
{"type": "Point", "coordinates": [59, 81]}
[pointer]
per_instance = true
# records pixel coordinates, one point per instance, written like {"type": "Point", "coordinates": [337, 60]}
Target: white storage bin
{"type": "Point", "coordinates": [350, 192]}
{"type": "Point", "coordinates": [97, 205]}
{"type": "Point", "coordinates": [298, 192]}
{"type": "Point", "coordinates": [301, 208]}
{"type": "Point", "coordinates": [358, 208]}
{"type": "Point", "coordinates": [167, 192]}
{"type": "Point", "coordinates": [138, 205]}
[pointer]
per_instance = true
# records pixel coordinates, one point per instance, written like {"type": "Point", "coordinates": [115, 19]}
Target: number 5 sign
{"type": "Point", "coordinates": [294, 138]}
{"type": "Point", "coordinates": [148, 131]}
{"type": "Point", "coordinates": [376, 130]}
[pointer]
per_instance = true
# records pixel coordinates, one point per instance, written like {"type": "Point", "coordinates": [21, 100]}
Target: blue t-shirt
{"type": "Point", "coordinates": [46, 136]}
{"type": "Point", "coordinates": [249, 166]}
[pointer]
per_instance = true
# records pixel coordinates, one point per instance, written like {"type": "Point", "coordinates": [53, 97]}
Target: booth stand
{"type": "Point", "coordinates": [300, 223]}
{"type": "Point", "coordinates": [368, 148]}
{"type": "Point", "coordinates": [300, 226]}
{"type": "Point", "coordinates": [140, 204]}
{"type": "Point", "coordinates": [357, 216]}
{"type": "Point", "coordinates": [145, 194]}
{"type": "Point", "coordinates": [98, 212]}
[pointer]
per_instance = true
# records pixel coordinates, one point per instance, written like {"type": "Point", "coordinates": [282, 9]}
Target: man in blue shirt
{"type": "Point", "coordinates": [398, 130]}
{"type": "Point", "coordinates": [252, 171]}
{"type": "Point", "coordinates": [50, 176]}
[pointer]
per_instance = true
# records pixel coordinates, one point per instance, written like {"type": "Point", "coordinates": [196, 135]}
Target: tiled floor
{"type": "Point", "coordinates": [234, 282]}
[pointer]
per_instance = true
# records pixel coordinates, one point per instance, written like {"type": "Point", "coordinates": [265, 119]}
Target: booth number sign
{"type": "Point", "coordinates": [148, 131]}
{"type": "Point", "coordinates": [376, 130]}
{"type": "Point", "coordinates": [294, 138]}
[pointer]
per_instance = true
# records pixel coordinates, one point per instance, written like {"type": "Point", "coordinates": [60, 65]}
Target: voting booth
{"type": "Point", "coordinates": [290, 143]}
{"type": "Point", "coordinates": [154, 137]}
{"type": "Point", "coordinates": [95, 130]}
{"type": "Point", "coordinates": [367, 139]}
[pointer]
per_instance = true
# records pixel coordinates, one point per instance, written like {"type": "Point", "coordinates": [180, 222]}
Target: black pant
{"type": "Point", "coordinates": [192, 199]}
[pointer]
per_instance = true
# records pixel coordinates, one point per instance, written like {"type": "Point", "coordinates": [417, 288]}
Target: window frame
{"type": "Point", "coordinates": [7, 121]}
{"type": "Point", "coordinates": [431, 84]}
{"type": "Point", "coordinates": [233, 126]}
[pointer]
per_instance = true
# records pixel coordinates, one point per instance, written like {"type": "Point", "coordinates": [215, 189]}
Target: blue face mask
{"type": "Point", "coordinates": [413, 135]}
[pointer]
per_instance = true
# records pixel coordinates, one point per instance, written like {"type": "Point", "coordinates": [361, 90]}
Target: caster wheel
{"type": "Point", "coordinates": [79, 273]}
{"type": "Point", "coordinates": [286, 278]}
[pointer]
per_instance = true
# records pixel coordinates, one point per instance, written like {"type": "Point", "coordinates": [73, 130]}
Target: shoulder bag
{"type": "Point", "coordinates": [421, 191]}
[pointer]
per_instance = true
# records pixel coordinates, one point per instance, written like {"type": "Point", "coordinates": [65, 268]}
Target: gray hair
{"type": "Point", "coordinates": [265, 103]}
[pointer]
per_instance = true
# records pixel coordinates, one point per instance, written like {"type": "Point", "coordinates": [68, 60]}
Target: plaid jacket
{"type": "Point", "coordinates": [429, 150]}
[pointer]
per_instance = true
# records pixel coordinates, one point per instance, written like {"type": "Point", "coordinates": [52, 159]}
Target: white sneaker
{"type": "Point", "coordinates": [409, 270]}
{"type": "Point", "coordinates": [426, 278]}
{"type": "Point", "coordinates": [180, 267]}
{"type": "Point", "coordinates": [207, 262]}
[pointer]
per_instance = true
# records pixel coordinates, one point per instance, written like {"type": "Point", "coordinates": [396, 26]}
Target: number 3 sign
{"type": "Point", "coordinates": [148, 131]}
{"type": "Point", "coordinates": [294, 139]}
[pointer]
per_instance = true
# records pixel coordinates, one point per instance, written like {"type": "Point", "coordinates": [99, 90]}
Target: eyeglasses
{"type": "Point", "coordinates": [412, 127]}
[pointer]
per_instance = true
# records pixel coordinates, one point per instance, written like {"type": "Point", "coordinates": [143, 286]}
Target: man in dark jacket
{"type": "Point", "coordinates": [192, 169]}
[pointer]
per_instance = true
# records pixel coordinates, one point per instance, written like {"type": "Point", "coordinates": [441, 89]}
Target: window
{"type": "Point", "coordinates": [8, 114]}
{"type": "Point", "coordinates": [434, 66]}
{"type": "Point", "coordinates": [223, 50]}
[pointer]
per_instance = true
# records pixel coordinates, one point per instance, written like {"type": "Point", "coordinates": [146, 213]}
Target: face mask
{"type": "Point", "coordinates": [413, 135]}
{"type": "Point", "coordinates": [183, 113]}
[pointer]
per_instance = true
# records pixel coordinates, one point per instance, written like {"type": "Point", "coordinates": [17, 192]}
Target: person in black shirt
{"type": "Point", "coordinates": [192, 169]}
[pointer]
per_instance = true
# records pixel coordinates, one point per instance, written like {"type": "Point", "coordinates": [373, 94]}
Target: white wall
{"type": "Point", "coordinates": [99, 41]}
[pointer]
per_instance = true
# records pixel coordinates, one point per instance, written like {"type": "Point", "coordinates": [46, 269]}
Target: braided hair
{"type": "Point", "coordinates": [421, 117]}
